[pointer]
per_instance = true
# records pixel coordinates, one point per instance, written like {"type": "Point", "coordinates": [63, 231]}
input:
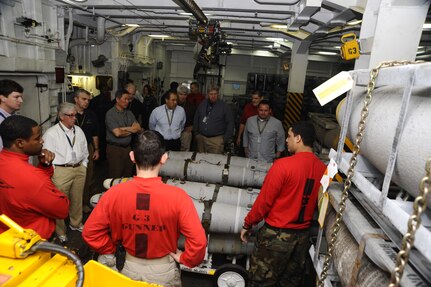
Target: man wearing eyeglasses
{"type": "Point", "coordinates": [10, 100]}
{"type": "Point", "coordinates": [68, 142]}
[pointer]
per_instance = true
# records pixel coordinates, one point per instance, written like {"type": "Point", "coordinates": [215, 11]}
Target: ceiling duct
{"type": "Point", "coordinates": [100, 29]}
{"type": "Point", "coordinates": [142, 54]}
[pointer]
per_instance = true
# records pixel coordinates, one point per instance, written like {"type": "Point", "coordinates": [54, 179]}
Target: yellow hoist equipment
{"type": "Point", "coordinates": [26, 261]}
{"type": "Point", "coordinates": [350, 48]}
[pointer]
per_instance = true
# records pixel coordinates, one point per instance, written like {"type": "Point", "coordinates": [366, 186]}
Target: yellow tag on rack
{"type": "Point", "coordinates": [323, 208]}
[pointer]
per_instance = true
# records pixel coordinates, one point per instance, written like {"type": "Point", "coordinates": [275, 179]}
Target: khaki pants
{"type": "Point", "coordinates": [88, 187]}
{"type": "Point", "coordinates": [210, 144]}
{"type": "Point", "coordinates": [186, 140]}
{"type": "Point", "coordinates": [70, 181]}
{"type": "Point", "coordinates": [163, 271]}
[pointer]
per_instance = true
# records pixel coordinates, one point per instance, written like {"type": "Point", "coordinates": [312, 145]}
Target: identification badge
{"type": "Point", "coordinates": [258, 139]}
{"type": "Point", "coordinates": [204, 120]}
{"type": "Point", "coordinates": [73, 156]}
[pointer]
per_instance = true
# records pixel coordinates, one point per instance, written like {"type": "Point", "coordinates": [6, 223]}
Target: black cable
{"type": "Point", "coordinates": [51, 247]}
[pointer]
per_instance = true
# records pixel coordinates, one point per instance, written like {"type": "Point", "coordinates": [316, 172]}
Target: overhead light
{"type": "Point", "coordinates": [278, 26]}
{"type": "Point", "coordinates": [80, 1]}
{"type": "Point", "coordinates": [131, 25]}
{"type": "Point", "coordinates": [190, 14]}
{"type": "Point", "coordinates": [354, 22]}
{"type": "Point", "coordinates": [161, 36]}
{"type": "Point", "coordinates": [427, 26]}
{"type": "Point", "coordinates": [327, 53]}
{"type": "Point", "coordinates": [275, 39]}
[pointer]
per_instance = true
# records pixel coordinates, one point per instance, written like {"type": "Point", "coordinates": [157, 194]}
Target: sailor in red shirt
{"type": "Point", "coordinates": [27, 194]}
{"type": "Point", "coordinates": [147, 217]}
{"type": "Point", "coordinates": [250, 109]}
{"type": "Point", "coordinates": [286, 202]}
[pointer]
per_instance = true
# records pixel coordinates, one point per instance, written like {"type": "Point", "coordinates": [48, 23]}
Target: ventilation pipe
{"type": "Point", "coordinates": [142, 54]}
{"type": "Point", "coordinates": [100, 38]}
{"type": "Point", "coordinates": [100, 29]}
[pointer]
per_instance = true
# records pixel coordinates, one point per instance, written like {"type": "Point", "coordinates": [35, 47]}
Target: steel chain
{"type": "Point", "coordinates": [413, 224]}
{"type": "Point", "coordinates": [353, 160]}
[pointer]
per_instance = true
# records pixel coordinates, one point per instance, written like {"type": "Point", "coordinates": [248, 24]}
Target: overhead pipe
{"type": "Point", "coordinates": [191, 7]}
{"type": "Point", "coordinates": [100, 29]}
{"type": "Point", "coordinates": [85, 9]}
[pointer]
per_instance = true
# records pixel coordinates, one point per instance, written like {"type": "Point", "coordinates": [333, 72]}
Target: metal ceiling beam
{"type": "Point", "coordinates": [191, 7]}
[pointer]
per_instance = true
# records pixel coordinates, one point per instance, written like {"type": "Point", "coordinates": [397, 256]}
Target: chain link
{"type": "Point", "coordinates": [413, 224]}
{"type": "Point", "coordinates": [353, 160]}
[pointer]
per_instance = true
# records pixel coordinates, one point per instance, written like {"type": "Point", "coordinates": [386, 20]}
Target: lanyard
{"type": "Point", "coordinates": [71, 143]}
{"type": "Point", "coordinates": [258, 125]}
{"type": "Point", "coordinates": [170, 119]}
{"type": "Point", "coordinates": [2, 115]}
{"type": "Point", "coordinates": [209, 108]}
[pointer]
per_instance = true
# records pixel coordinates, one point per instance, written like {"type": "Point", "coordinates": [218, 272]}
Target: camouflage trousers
{"type": "Point", "coordinates": [278, 258]}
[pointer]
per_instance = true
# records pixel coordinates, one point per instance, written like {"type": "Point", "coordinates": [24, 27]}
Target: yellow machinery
{"type": "Point", "coordinates": [25, 260]}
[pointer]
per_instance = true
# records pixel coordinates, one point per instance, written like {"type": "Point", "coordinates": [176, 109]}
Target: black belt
{"type": "Point", "coordinates": [69, 165]}
{"type": "Point", "coordinates": [212, 136]}
{"type": "Point", "coordinates": [287, 230]}
{"type": "Point", "coordinates": [120, 145]}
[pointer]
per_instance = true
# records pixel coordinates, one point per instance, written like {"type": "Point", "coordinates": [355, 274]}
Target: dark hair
{"type": "Point", "coordinates": [120, 92]}
{"type": "Point", "coordinates": [257, 92]}
{"type": "Point", "coordinates": [173, 86]}
{"type": "Point", "coordinates": [7, 87]}
{"type": "Point", "coordinates": [78, 91]}
{"type": "Point", "coordinates": [168, 95]}
{"type": "Point", "coordinates": [148, 87]}
{"type": "Point", "coordinates": [148, 147]}
{"type": "Point", "coordinates": [16, 127]}
{"type": "Point", "coordinates": [306, 131]}
{"type": "Point", "coordinates": [264, 102]}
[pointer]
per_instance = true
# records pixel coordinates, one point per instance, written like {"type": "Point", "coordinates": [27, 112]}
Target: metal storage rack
{"type": "Point", "coordinates": [389, 214]}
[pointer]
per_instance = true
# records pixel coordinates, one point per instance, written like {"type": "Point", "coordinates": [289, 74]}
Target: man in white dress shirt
{"type": "Point", "coordinates": [68, 142]}
{"type": "Point", "coordinates": [169, 120]}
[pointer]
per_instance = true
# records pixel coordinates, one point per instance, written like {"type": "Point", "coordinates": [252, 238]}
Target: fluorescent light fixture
{"type": "Point", "coordinates": [278, 26]}
{"type": "Point", "coordinates": [159, 36]}
{"type": "Point", "coordinates": [275, 39]}
{"type": "Point", "coordinates": [190, 14]}
{"type": "Point", "coordinates": [427, 26]}
{"type": "Point", "coordinates": [337, 47]}
{"type": "Point", "coordinates": [354, 22]}
{"type": "Point", "coordinates": [327, 53]}
{"type": "Point", "coordinates": [80, 1]}
{"type": "Point", "coordinates": [131, 25]}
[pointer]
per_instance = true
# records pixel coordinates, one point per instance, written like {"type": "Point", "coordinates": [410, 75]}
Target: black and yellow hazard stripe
{"type": "Point", "coordinates": [292, 111]}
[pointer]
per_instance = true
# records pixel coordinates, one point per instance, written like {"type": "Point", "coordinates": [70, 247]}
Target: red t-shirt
{"type": "Point", "coordinates": [28, 196]}
{"type": "Point", "coordinates": [195, 99]}
{"type": "Point", "coordinates": [147, 216]}
{"type": "Point", "coordinates": [248, 111]}
{"type": "Point", "coordinates": [289, 193]}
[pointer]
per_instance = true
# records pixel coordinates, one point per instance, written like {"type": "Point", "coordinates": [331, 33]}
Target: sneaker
{"type": "Point", "coordinates": [63, 239]}
{"type": "Point", "coordinates": [78, 228]}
